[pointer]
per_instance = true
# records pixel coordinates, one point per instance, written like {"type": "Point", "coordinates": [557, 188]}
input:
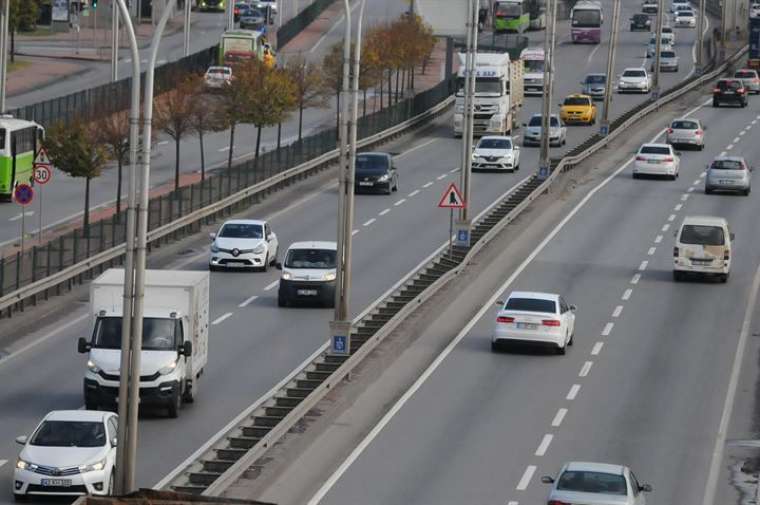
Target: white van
{"type": "Point", "coordinates": [308, 274]}
{"type": "Point", "coordinates": [703, 246]}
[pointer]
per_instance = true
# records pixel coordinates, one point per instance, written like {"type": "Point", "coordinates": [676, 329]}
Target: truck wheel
{"type": "Point", "coordinates": [282, 301]}
{"type": "Point", "coordinates": [175, 404]}
{"type": "Point", "coordinates": [190, 392]}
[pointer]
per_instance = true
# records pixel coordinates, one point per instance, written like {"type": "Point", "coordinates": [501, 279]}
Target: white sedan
{"type": "Point", "coordinates": [657, 160]}
{"type": "Point", "coordinates": [634, 80]}
{"type": "Point", "coordinates": [685, 19]}
{"type": "Point", "coordinates": [536, 318]}
{"type": "Point", "coordinates": [217, 77]}
{"type": "Point", "coordinates": [496, 153]}
{"type": "Point", "coordinates": [243, 243]}
{"type": "Point", "coordinates": [70, 453]}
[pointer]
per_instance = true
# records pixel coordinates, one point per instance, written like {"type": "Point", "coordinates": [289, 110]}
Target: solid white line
{"type": "Point", "coordinates": [415, 192]}
{"type": "Point", "coordinates": [412, 149]}
{"type": "Point", "coordinates": [383, 212]}
{"type": "Point", "coordinates": [544, 445]}
{"type": "Point", "coordinates": [248, 301]}
{"type": "Point", "coordinates": [643, 265]}
{"type": "Point", "coordinates": [635, 278]}
{"type": "Point", "coordinates": [525, 480]}
{"type": "Point", "coordinates": [272, 285]}
{"type": "Point", "coordinates": [607, 329]}
{"type": "Point", "coordinates": [665, 227]}
{"type": "Point", "coordinates": [729, 147]}
{"type": "Point", "coordinates": [442, 176]}
{"type": "Point", "coordinates": [573, 392]}
{"type": "Point", "coordinates": [221, 318]}
{"type": "Point", "coordinates": [671, 217]}
{"type": "Point", "coordinates": [592, 53]}
{"type": "Point", "coordinates": [617, 311]}
{"type": "Point", "coordinates": [585, 369]}
{"type": "Point", "coordinates": [43, 338]}
{"type": "Point", "coordinates": [354, 232]}
{"type": "Point", "coordinates": [559, 417]}
{"type": "Point", "coordinates": [658, 239]}
{"type": "Point", "coordinates": [428, 184]}
{"type": "Point", "coordinates": [367, 223]}
{"type": "Point", "coordinates": [678, 207]}
{"type": "Point", "coordinates": [716, 462]}
{"type": "Point", "coordinates": [400, 202]}
{"type": "Point", "coordinates": [597, 348]}
{"type": "Point", "coordinates": [651, 251]}
{"type": "Point", "coordinates": [627, 294]}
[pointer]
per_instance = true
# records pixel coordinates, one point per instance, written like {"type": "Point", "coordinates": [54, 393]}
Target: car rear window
{"type": "Point", "coordinates": [592, 482]}
{"type": "Point", "coordinates": [531, 305]}
{"type": "Point", "coordinates": [576, 100]}
{"type": "Point", "coordinates": [684, 125]}
{"type": "Point", "coordinates": [702, 235]}
{"type": "Point", "coordinates": [655, 150]}
{"type": "Point", "coordinates": [729, 84]}
{"type": "Point", "coordinates": [634, 73]}
{"type": "Point", "coordinates": [745, 74]}
{"type": "Point", "coordinates": [596, 79]}
{"type": "Point", "coordinates": [727, 165]}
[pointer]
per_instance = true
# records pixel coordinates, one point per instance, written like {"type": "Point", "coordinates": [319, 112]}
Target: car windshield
{"type": "Point", "coordinates": [576, 100]}
{"type": "Point", "coordinates": [531, 305]}
{"type": "Point", "coordinates": [483, 86]}
{"type": "Point", "coordinates": [702, 235]}
{"type": "Point", "coordinates": [508, 10]}
{"type": "Point", "coordinates": [684, 125]}
{"type": "Point", "coordinates": [159, 334]}
{"type": "Point", "coordinates": [727, 165]}
{"type": "Point", "coordinates": [592, 482]}
{"type": "Point", "coordinates": [640, 18]}
{"type": "Point", "coordinates": [220, 70]}
{"type": "Point", "coordinates": [371, 164]}
{"type": "Point", "coordinates": [745, 74]}
{"type": "Point", "coordinates": [634, 73]}
{"type": "Point", "coordinates": [69, 434]}
{"type": "Point", "coordinates": [586, 17]}
{"type": "Point", "coordinates": [685, 14]}
{"type": "Point", "coordinates": [311, 258]}
{"type": "Point", "coordinates": [536, 121]}
{"type": "Point", "coordinates": [596, 79]}
{"type": "Point", "coordinates": [242, 230]}
{"type": "Point", "coordinates": [533, 66]}
{"type": "Point", "coordinates": [655, 150]}
{"type": "Point", "coordinates": [495, 144]}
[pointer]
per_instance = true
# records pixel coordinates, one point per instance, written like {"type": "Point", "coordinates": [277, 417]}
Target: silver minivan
{"type": "Point", "coordinates": [728, 173]}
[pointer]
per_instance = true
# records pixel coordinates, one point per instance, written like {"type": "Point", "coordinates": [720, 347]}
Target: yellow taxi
{"type": "Point", "coordinates": [578, 108]}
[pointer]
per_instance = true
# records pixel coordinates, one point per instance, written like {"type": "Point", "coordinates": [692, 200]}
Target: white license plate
{"type": "Point", "coordinates": [366, 183]}
{"type": "Point", "coordinates": [725, 182]}
{"type": "Point", "coordinates": [526, 326]}
{"type": "Point", "coordinates": [307, 292]}
{"type": "Point", "coordinates": [56, 482]}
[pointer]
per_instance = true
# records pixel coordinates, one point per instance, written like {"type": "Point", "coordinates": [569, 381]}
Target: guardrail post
{"type": "Point", "coordinates": [47, 267]}
{"type": "Point", "coordinates": [19, 255]}
{"type": "Point", "coordinates": [61, 244]}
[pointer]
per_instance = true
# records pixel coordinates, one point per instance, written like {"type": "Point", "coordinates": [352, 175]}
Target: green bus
{"type": "Point", "coordinates": [240, 45]}
{"type": "Point", "coordinates": [19, 142]}
{"type": "Point", "coordinates": [511, 16]}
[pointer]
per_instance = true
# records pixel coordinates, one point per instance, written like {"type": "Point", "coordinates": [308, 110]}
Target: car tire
{"type": "Point", "coordinates": [677, 276]}
{"type": "Point", "coordinates": [282, 301]}
{"type": "Point", "coordinates": [723, 278]}
{"type": "Point", "coordinates": [572, 339]}
{"type": "Point", "coordinates": [635, 175]}
{"type": "Point", "coordinates": [702, 147]}
{"type": "Point", "coordinates": [715, 103]}
{"type": "Point", "coordinates": [746, 192]}
{"type": "Point", "coordinates": [395, 186]}
{"type": "Point", "coordinates": [19, 498]}
{"type": "Point", "coordinates": [494, 347]}
{"type": "Point", "coordinates": [174, 405]}
{"type": "Point", "coordinates": [673, 177]}
{"type": "Point", "coordinates": [561, 350]}
{"type": "Point", "coordinates": [212, 268]}
{"type": "Point", "coordinates": [265, 268]}
{"type": "Point", "coordinates": [389, 190]}
{"type": "Point", "coordinates": [708, 191]}
{"type": "Point", "coordinates": [111, 478]}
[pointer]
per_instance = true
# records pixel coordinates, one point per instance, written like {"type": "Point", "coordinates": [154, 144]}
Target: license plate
{"type": "Point", "coordinates": [725, 182]}
{"type": "Point", "coordinates": [366, 183]}
{"type": "Point", "coordinates": [56, 482]}
{"type": "Point", "coordinates": [307, 292]}
{"type": "Point", "coordinates": [728, 92]}
{"type": "Point", "coordinates": [526, 326]}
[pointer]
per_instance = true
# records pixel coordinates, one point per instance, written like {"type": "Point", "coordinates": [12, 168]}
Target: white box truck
{"type": "Point", "coordinates": [175, 338]}
{"type": "Point", "coordinates": [498, 94]}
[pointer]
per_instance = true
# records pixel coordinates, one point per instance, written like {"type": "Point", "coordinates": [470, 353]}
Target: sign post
{"type": "Point", "coordinates": [43, 173]}
{"type": "Point", "coordinates": [23, 194]}
{"type": "Point", "coordinates": [452, 199]}
{"type": "Point", "coordinates": [340, 343]}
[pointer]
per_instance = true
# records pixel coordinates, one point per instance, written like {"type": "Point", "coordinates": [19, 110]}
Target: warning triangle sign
{"type": "Point", "coordinates": [42, 157]}
{"type": "Point", "coordinates": [452, 198]}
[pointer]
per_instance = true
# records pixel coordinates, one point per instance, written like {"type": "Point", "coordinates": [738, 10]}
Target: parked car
{"type": "Point", "coordinates": [730, 91]}
{"type": "Point", "coordinates": [217, 77]}
{"type": "Point", "coordinates": [656, 160]}
{"type": "Point", "coordinates": [668, 61]}
{"type": "Point", "coordinates": [594, 85]}
{"type": "Point", "coordinates": [577, 108]}
{"type": "Point", "coordinates": [243, 243]}
{"type": "Point", "coordinates": [640, 22]}
{"type": "Point", "coordinates": [686, 132]}
{"type": "Point", "coordinates": [703, 247]}
{"type": "Point", "coordinates": [634, 80]}
{"type": "Point", "coordinates": [375, 172]}
{"type": "Point", "coordinates": [749, 78]}
{"type": "Point", "coordinates": [597, 483]}
{"type": "Point", "coordinates": [70, 453]}
{"type": "Point", "coordinates": [308, 274]}
{"type": "Point", "coordinates": [728, 173]}
{"type": "Point", "coordinates": [532, 133]}
{"type": "Point", "coordinates": [685, 19]}
{"type": "Point", "coordinates": [496, 153]}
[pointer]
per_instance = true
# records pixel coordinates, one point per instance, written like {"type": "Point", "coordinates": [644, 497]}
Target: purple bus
{"type": "Point", "coordinates": [586, 22]}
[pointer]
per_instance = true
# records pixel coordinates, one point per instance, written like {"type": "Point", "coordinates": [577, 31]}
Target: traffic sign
{"type": "Point", "coordinates": [23, 194]}
{"type": "Point", "coordinates": [42, 174]}
{"type": "Point", "coordinates": [452, 198]}
{"type": "Point", "coordinates": [42, 157]}
{"type": "Point", "coordinates": [339, 345]}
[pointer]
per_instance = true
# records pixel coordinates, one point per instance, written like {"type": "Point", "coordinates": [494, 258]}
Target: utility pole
{"type": "Point", "coordinates": [549, 37]}
{"type": "Point", "coordinates": [605, 123]}
{"type": "Point", "coordinates": [187, 27]}
{"type": "Point", "coordinates": [114, 41]}
{"type": "Point", "coordinates": [723, 29]}
{"type": "Point", "coordinates": [700, 39]}
{"type": "Point", "coordinates": [4, 19]}
{"type": "Point", "coordinates": [657, 48]}
{"type": "Point", "coordinates": [467, 132]}
{"type": "Point", "coordinates": [230, 14]}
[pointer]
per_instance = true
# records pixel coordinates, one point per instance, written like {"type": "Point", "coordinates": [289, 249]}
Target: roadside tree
{"type": "Point", "coordinates": [113, 132]}
{"type": "Point", "coordinates": [173, 114]}
{"type": "Point", "coordinates": [309, 88]}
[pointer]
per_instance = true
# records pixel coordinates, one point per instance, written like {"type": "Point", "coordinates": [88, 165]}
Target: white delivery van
{"type": "Point", "coordinates": [703, 246]}
{"type": "Point", "coordinates": [175, 338]}
{"type": "Point", "coordinates": [308, 274]}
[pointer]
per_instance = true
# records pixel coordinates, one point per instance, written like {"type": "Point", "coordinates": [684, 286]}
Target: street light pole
{"type": "Point", "coordinates": [543, 162]}
{"type": "Point", "coordinates": [230, 14]}
{"type": "Point", "coordinates": [187, 27]}
{"type": "Point", "coordinates": [700, 38]}
{"type": "Point", "coordinates": [657, 47]}
{"type": "Point", "coordinates": [472, 54]}
{"type": "Point", "coordinates": [114, 42]}
{"type": "Point", "coordinates": [605, 123]}
{"type": "Point", "coordinates": [723, 29]}
{"type": "Point", "coordinates": [4, 19]}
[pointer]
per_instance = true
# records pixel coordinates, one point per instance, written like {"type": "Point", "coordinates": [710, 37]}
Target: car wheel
{"type": "Point", "coordinates": [572, 339]}
{"type": "Point", "coordinates": [723, 278]}
{"type": "Point", "coordinates": [266, 263]}
{"type": "Point", "coordinates": [282, 301]}
{"type": "Point", "coordinates": [389, 190]}
{"type": "Point", "coordinates": [395, 187]}
{"type": "Point", "coordinates": [273, 261]}
{"type": "Point", "coordinates": [635, 175]}
{"type": "Point", "coordinates": [715, 103]}
{"type": "Point", "coordinates": [175, 404]}
{"type": "Point", "coordinates": [746, 192]}
{"type": "Point", "coordinates": [494, 346]}
{"type": "Point", "coordinates": [19, 498]}
{"type": "Point", "coordinates": [677, 276]}
{"type": "Point", "coordinates": [111, 478]}
{"type": "Point", "coordinates": [561, 350]}
{"type": "Point", "coordinates": [212, 268]}
{"type": "Point", "coordinates": [702, 147]}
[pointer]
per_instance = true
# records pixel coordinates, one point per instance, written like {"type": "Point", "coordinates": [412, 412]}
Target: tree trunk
{"type": "Point", "coordinates": [258, 141]}
{"type": "Point", "coordinates": [300, 121]}
{"type": "Point", "coordinates": [13, 46]}
{"type": "Point", "coordinates": [176, 163]}
{"type": "Point", "coordinates": [412, 80]}
{"type": "Point", "coordinates": [279, 135]}
{"type": "Point", "coordinates": [381, 94]}
{"type": "Point", "coordinates": [118, 187]}
{"type": "Point", "coordinates": [364, 104]}
{"type": "Point", "coordinates": [87, 209]}
{"type": "Point", "coordinates": [203, 155]}
{"type": "Point", "coordinates": [397, 83]}
{"type": "Point", "coordinates": [390, 86]}
{"type": "Point", "coordinates": [232, 145]}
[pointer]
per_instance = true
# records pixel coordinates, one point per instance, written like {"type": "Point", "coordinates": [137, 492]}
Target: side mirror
{"type": "Point", "coordinates": [278, 265]}
{"type": "Point", "coordinates": [646, 488]}
{"type": "Point", "coordinates": [212, 236]}
{"type": "Point", "coordinates": [83, 346]}
{"type": "Point", "coordinates": [525, 124]}
{"type": "Point", "coordinates": [678, 153]}
{"type": "Point", "coordinates": [732, 235]}
{"type": "Point", "coordinates": [573, 308]}
{"type": "Point", "coordinates": [270, 236]}
{"type": "Point", "coordinates": [186, 348]}
{"type": "Point", "coordinates": [499, 303]}
{"type": "Point", "coordinates": [114, 442]}
{"type": "Point", "coordinates": [22, 440]}
{"type": "Point", "coordinates": [547, 479]}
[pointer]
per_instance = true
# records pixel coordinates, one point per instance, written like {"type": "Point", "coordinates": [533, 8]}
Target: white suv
{"type": "Point", "coordinates": [308, 274]}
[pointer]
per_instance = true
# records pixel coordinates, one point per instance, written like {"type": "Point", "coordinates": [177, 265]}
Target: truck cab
{"type": "Point", "coordinates": [533, 59]}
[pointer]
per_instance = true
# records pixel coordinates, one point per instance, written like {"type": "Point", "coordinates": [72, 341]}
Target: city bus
{"type": "Point", "coordinates": [586, 20]}
{"type": "Point", "coordinates": [241, 45]}
{"type": "Point", "coordinates": [510, 16]}
{"type": "Point", "coordinates": [537, 14]}
{"type": "Point", "coordinates": [19, 142]}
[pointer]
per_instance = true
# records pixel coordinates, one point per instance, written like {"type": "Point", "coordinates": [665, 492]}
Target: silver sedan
{"type": "Point", "coordinates": [596, 483]}
{"type": "Point", "coordinates": [728, 173]}
{"type": "Point", "coordinates": [749, 78]}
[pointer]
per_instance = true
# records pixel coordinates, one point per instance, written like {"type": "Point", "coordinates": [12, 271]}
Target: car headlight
{"type": "Point", "coordinates": [92, 367]}
{"type": "Point", "coordinates": [286, 276]}
{"type": "Point", "coordinates": [330, 276]}
{"type": "Point", "coordinates": [214, 248]}
{"type": "Point", "coordinates": [260, 249]}
{"type": "Point", "coordinates": [25, 465]}
{"type": "Point", "coordinates": [94, 467]}
{"type": "Point", "coordinates": [383, 178]}
{"type": "Point", "coordinates": [168, 368]}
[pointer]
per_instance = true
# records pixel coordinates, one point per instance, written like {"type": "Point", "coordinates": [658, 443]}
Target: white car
{"type": "Point", "coordinates": [685, 19]}
{"type": "Point", "coordinates": [666, 42]}
{"type": "Point", "coordinates": [686, 132]}
{"type": "Point", "coordinates": [243, 243]}
{"type": "Point", "coordinates": [217, 77]}
{"type": "Point", "coordinates": [634, 80]}
{"type": "Point", "coordinates": [263, 4]}
{"type": "Point", "coordinates": [597, 483]}
{"type": "Point", "coordinates": [535, 318]}
{"type": "Point", "coordinates": [496, 152]}
{"type": "Point", "coordinates": [658, 160]}
{"type": "Point", "coordinates": [71, 453]}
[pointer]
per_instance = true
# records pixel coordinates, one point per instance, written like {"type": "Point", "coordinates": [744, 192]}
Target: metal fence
{"type": "Point", "coordinates": [293, 27]}
{"type": "Point", "coordinates": [24, 268]}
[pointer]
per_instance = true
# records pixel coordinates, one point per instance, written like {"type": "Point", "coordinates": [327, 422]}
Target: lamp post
{"type": "Point", "coordinates": [605, 123]}
{"type": "Point", "coordinates": [114, 42]}
{"type": "Point", "coordinates": [700, 38]}
{"type": "Point", "coordinates": [549, 37]}
{"type": "Point", "coordinates": [4, 19]}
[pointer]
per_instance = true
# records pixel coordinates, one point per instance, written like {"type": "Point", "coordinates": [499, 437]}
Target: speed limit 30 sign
{"type": "Point", "coordinates": [42, 174]}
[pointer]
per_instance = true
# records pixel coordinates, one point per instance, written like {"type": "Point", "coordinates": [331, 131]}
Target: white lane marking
{"type": "Point", "coordinates": [671, 217]}
{"type": "Point", "coordinates": [221, 318]}
{"type": "Point", "coordinates": [559, 417]}
{"type": "Point", "coordinates": [607, 329]}
{"type": "Point", "coordinates": [665, 227]}
{"type": "Point", "coordinates": [592, 53]}
{"type": "Point", "coordinates": [454, 170]}
{"type": "Point", "coordinates": [643, 265]}
{"type": "Point", "coordinates": [400, 202]}
{"type": "Point", "coordinates": [678, 207]}
{"type": "Point", "coordinates": [651, 251]}
{"type": "Point", "coordinates": [729, 147]}
{"type": "Point", "coordinates": [722, 153]}
{"type": "Point", "coordinates": [741, 133]}
{"type": "Point", "coordinates": [573, 392]}
{"type": "Point", "coordinates": [748, 127]}
{"type": "Point", "coordinates": [513, 503]}
{"type": "Point", "coordinates": [702, 175]}
{"type": "Point", "coordinates": [635, 278]}
{"type": "Point", "coordinates": [716, 462]}
{"type": "Point", "coordinates": [627, 294]}
{"type": "Point", "coordinates": [525, 480]}
{"type": "Point", "coordinates": [419, 146]}
{"type": "Point", "coordinates": [413, 193]}
{"type": "Point", "coordinates": [163, 142]}
{"type": "Point", "coordinates": [658, 239]}
{"type": "Point", "coordinates": [367, 223]}
{"type": "Point", "coordinates": [332, 29]}
{"type": "Point", "coordinates": [427, 184]}
{"type": "Point", "coordinates": [19, 216]}
{"type": "Point", "coordinates": [354, 232]}
{"type": "Point", "coordinates": [383, 212]}
{"type": "Point", "coordinates": [697, 182]}
{"type": "Point", "coordinates": [544, 445]}
{"type": "Point", "coordinates": [684, 197]}
{"type": "Point", "coordinates": [736, 139]}
{"type": "Point", "coordinates": [442, 176]}
{"type": "Point", "coordinates": [617, 311]}
{"type": "Point", "coordinates": [272, 285]}
{"type": "Point", "coordinates": [3, 461]}
{"type": "Point", "coordinates": [51, 334]}
{"type": "Point", "coordinates": [754, 121]}
{"type": "Point", "coordinates": [689, 190]}
{"type": "Point", "coordinates": [223, 149]}
{"type": "Point", "coordinates": [597, 348]}
{"type": "Point", "coordinates": [585, 369]}
{"type": "Point", "coordinates": [248, 301]}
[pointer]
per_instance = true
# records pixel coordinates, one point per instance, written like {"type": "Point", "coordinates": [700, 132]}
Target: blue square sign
{"type": "Point", "coordinates": [339, 344]}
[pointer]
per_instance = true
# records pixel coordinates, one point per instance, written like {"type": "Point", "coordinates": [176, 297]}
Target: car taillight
{"type": "Point", "coordinates": [670, 130]}
{"type": "Point", "coordinates": [550, 322]}
{"type": "Point", "coordinates": [557, 502]}
{"type": "Point", "coordinates": [669, 158]}
{"type": "Point", "coordinates": [505, 319]}
{"type": "Point", "coordinates": [698, 132]}
{"type": "Point", "coordinates": [716, 90]}
{"type": "Point", "coordinates": [741, 90]}
{"type": "Point", "coordinates": [675, 252]}
{"type": "Point", "coordinates": [640, 158]}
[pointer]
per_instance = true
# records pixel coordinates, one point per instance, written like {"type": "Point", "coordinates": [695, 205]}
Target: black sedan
{"type": "Point", "coordinates": [640, 22]}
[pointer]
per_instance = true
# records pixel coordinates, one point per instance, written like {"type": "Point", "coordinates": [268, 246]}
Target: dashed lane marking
{"type": "Point", "coordinates": [722, 153]}
{"type": "Point", "coordinates": [427, 184]}
{"type": "Point", "coordinates": [597, 348]}
{"type": "Point", "coordinates": [678, 207]}
{"type": "Point", "coordinates": [671, 217]}
{"type": "Point", "coordinates": [729, 147]}
{"type": "Point", "coordinates": [643, 265]}
{"type": "Point", "coordinates": [627, 294]}
{"type": "Point", "coordinates": [658, 239]}
{"type": "Point", "coordinates": [383, 212]}
{"type": "Point", "coordinates": [651, 251]}
{"type": "Point", "coordinates": [617, 311]}
{"type": "Point", "coordinates": [635, 279]}
{"type": "Point", "coordinates": [248, 301]}
{"type": "Point", "coordinates": [223, 149]}
{"type": "Point", "coordinates": [573, 392]}
{"type": "Point", "coordinates": [525, 480]}
{"type": "Point", "coordinates": [163, 142]}
{"type": "Point", "coordinates": [442, 176]}
{"type": "Point", "coordinates": [221, 318]}
{"type": "Point", "coordinates": [559, 417]}
{"type": "Point", "coordinates": [736, 139]}
{"type": "Point", "coordinates": [272, 285]}
{"type": "Point", "coordinates": [684, 197]}
{"type": "Point", "coordinates": [544, 445]}
{"type": "Point", "coordinates": [367, 223]}
{"type": "Point", "coordinates": [607, 329]}
{"type": "Point", "coordinates": [689, 190]}
{"type": "Point", "coordinates": [3, 461]}
{"type": "Point", "coordinates": [665, 227]}
{"type": "Point", "coordinates": [585, 369]}
{"type": "Point", "coordinates": [400, 202]}
{"type": "Point", "coordinates": [413, 193]}
{"type": "Point", "coordinates": [354, 232]}
{"type": "Point", "coordinates": [454, 170]}
{"type": "Point", "coordinates": [419, 146]}
{"type": "Point", "coordinates": [698, 181]}
{"type": "Point", "coordinates": [741, 133]}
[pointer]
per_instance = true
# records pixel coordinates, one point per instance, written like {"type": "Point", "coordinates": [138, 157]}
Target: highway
{"type": "Point", "coordinates": [254, 344]}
